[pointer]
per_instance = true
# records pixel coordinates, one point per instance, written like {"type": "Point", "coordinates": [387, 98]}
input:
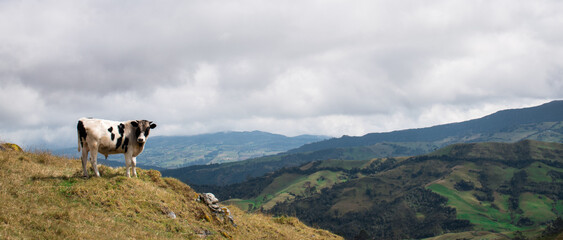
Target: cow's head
{"type": "Point", "coordinates": [142, 129]}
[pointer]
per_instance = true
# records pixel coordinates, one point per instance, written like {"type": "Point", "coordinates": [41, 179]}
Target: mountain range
{"type": "Point", "coordinates": [163, 152]}
{"type": "Point", "coordinates": [542, 123]}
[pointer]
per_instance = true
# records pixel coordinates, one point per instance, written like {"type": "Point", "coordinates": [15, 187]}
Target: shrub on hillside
{"type": "Point", "coordinates": [464, 185]}
{"type": "Point", "coordinates": [553, 228]}
{"type": "Point", "coordinates": [525, 222]}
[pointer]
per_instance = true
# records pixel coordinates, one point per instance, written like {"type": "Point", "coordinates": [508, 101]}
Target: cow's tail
{"type": "Point", "coordinates": [81, 134]}
{"type": "Point", "coordinates": [79, 141]}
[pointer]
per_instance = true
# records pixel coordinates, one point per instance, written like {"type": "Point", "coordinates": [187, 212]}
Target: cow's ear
{"type": "Point", "coordinates": [134, 124]}
{"type": "Point", "coordinates": [153, 125]}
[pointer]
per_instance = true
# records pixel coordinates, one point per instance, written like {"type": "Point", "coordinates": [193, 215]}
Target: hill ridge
{"type": "Point", "coordinates": [522, 150]}
{"type": "Point", "coordinates": [547, 112]}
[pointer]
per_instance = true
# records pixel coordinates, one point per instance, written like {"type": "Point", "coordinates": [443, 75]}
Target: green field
{"type": "Point", "coordinates": [539, 172]}
{"type": "Point", "coordinates": [288, 186]}
{"type": "Point", "coordinates": [496, 215]}
{"type": "Point", "coordinates": [483, 216]}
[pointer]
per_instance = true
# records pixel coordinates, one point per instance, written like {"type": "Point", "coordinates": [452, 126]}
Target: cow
{"type": "Point", "coordinates": [112, 137]}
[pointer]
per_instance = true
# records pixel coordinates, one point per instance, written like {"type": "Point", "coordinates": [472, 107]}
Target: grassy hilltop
{"type": "Point", "coordinates": [45, 197]}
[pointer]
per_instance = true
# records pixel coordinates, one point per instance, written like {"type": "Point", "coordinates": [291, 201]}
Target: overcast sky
{"type": "Point", "coordinates": [290, 67]}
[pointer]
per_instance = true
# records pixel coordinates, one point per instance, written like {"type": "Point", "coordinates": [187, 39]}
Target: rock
{"type": "Point", "coordinates": [204, 233]}
{"type": "Point", "coordinates": [10, 147]}
{"type": "Point", "coordinates": [212, 202]}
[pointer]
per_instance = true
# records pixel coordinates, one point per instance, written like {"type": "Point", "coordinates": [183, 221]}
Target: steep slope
{"type": "Point", "coordinates": [544, 123]}
{"type": "Point", "coordinates": [44, 197]}
{"type": "Point", "coordinates": [164, 152]}
{"type": "Point", "coordinates": [495, 189]}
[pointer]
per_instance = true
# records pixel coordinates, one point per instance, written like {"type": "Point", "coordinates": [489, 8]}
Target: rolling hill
{"type": "Point", "coordinates": [234, 172]}
{"type": "Point", "coordinates": [164, 152]}
{"type": "Point", "coordinates": [484, 190]}
{"type": "Point", "coordinates": [543, 123]}
{"type": "Point", "coordinates": [45, 197]}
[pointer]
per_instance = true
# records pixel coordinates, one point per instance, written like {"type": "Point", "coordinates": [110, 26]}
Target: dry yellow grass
{"type": "Point", "coordinates": [44, 197]}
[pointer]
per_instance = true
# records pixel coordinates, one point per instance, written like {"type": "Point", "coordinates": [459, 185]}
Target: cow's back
{"type": "Point", "coordinates": [106, 134]}
{"type": "Point", "coordinates": [97, 128]}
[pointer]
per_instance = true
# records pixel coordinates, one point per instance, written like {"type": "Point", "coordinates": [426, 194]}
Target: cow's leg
{"type": "Point", "coordinates": [133, 165]}
{"type": "Point", "coordinates": [85, 160]}
{"type": "Point", "coordinates": [127, 165]}
{"type": "Point", "coordinates": [94, 159]}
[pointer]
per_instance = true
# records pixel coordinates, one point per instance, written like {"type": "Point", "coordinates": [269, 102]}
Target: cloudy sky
{"type": "Point", "coordinates": [289, 67]}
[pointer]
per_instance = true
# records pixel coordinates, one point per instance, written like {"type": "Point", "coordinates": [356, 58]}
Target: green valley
{"type": "Point", "coordinates": [479, 189]}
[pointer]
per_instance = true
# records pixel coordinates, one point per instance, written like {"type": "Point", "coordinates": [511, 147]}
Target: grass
{"type": "Point", "coordinates": [485, 217]}
{"type": "Point", "coordinates": [353, 197]}
{"type": "Point", "coordinates": [536, 207]}
{"type": "Point", "coordinates": [538, 172]}
{"type": "Point", "coordinates": [498, 218]}
{"type": "Point", "coordinates": [45, 197]}
{"type": "Point", "coordinates": [287, 186]}
{"type": "Point", "coordinates": [281, 182]}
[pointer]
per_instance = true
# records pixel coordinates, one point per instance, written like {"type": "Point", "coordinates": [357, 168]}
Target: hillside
{"type": "Point", "coordinates": [485, 190]}
{"type": "Point", "coordinates": [262, 193]}
{"type": "Point", "coordinates": [544, 123]}
{"type": "Point", "coordinates": [45, 197]}
{"type": "Point", "coordinates": [228, 173]}
{"type": "Point", "coordinates": [164, 152]}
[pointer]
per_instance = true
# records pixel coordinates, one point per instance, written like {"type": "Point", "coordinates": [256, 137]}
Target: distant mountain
{"type": "Point", "coordinates": [484, 190]}
{"type": "Point", "coordinates": [179, 151]}
{"type": "Point", "coordinates": [543, 123]}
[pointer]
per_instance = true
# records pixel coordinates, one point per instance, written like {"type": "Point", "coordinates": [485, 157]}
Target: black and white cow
{"type": "Point", "coordinates": [111, 137]}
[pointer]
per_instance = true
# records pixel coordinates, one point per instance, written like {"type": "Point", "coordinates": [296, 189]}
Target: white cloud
{"type": "Point", "coordinates": [20, 106]}
{"type": "Point", "coordinates": [331, 67]}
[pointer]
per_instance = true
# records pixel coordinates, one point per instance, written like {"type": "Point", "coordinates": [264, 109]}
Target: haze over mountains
{"type": "Point", "coordinates": [542, 123]}
{"type": "Point", "coordinates": [504, 126]}
{"type": "Point", "coordinates": [162, 152]}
